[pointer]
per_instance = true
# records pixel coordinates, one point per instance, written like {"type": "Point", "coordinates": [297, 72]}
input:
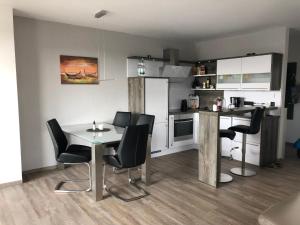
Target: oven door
{"type": "Point", "coordinates": [181, 130]}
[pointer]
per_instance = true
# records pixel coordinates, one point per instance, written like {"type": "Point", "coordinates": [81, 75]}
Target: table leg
{"type": "Point", "coordinates": [146, 176]}
{"type": "Point", "coordinates": [97, 169]}
{"type": "Point", "coordinates": [209, 148]}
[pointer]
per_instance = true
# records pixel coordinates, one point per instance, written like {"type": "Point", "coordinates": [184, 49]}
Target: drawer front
{"type": "Point", "coordinates": [237, 153]}
{"type": "Point", "coordinates": [253, 154]}
{"type": "Point", "coordinates": [251, 138]}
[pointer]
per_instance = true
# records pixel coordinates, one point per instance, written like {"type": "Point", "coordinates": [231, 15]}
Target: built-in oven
{"type": "Point", "coordinates": [181, 129]}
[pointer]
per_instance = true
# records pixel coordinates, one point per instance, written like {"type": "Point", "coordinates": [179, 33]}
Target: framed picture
{"type": "Point", "coordinates": [78, 70]}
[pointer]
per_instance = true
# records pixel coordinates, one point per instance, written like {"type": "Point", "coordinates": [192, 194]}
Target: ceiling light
{"type": "Point", "coordinates": [100, 14]}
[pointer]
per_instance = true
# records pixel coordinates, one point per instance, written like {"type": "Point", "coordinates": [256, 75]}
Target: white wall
{"type": "Point", "coordinates": [293, 131]}
{"type": "Point", "coordinates": [268, 40]}
{"type": "Point", "coordinates": [10, 160]}
{"type": "Point", "coordinates": [42, 97]}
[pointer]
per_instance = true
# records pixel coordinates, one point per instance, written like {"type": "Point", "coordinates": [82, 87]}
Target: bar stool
{"type": "Point", "coordinates": [254, 128]}
{"type": "Point", "coordinates": [224, 177]}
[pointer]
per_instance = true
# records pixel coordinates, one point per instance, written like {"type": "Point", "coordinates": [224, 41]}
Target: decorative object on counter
{"type": "Point", "coordinates": [215, 108]}
{"type": "Point", "coordinates": [141, 68]}
{"type": "Point", "coordinates": [194, 101]}
{"type": "Point", "coordinates": [219, 103]}
{"type": "Point", "coordinates": [78, 70]}
{"type": "Point", "coordinates": [184, 106]}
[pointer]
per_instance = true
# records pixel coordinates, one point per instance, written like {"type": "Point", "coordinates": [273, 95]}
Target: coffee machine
{"type": "Point", "coordinates": [236, 102]}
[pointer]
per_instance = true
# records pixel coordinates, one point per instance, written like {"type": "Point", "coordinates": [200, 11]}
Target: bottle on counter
{"type": "Point", "coordinates": [207, 83]}
{"type": "Point", "coordinates": [94, 125]}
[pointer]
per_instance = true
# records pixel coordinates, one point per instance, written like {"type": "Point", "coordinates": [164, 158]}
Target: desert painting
{"type": "Point", "coordinates": [78, 70]}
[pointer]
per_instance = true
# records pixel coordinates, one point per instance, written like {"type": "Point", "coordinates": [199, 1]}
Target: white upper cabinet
{"type": "Point", "coordinates": [257, 64]}
{"type": "Point", "coordinates": [229, 66]}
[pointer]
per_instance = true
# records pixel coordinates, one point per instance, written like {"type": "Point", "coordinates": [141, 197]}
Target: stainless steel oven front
{"type": "Point", "coordinates": [181, 129]}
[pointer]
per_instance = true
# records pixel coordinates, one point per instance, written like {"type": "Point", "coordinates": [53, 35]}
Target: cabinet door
{"type": "Point", "coordinates": [159, 140]}
{"type": "Point", "coordinates": [229, 66]}
{"type": "Point", "coordinates": [251, 138]}
{"type": "Point", "coordinates": [257, 64]}
{"type": "Point", "coordinates": [253, 154]}
{"type": "Point", "coordinates": [196, 128]}
{"type": "Point", "coordinates": [226, 143]}
{"type": "Point", "coordinates": [156, 98]}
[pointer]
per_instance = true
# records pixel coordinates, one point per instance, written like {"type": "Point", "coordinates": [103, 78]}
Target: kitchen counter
{"type": "Point", "coordinates": [226, 112]}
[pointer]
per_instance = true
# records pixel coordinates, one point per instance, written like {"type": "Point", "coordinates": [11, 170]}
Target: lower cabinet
{"type": "Point", "coordinates": [252, 141]}
{"type": "Point", "coordinates": [252, 153]}
{"type": "Point", "coordinates": [160, 135]}
{"type": "Point", "coordinates": [226, 144]}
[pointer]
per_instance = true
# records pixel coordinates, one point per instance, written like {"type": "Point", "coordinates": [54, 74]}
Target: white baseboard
{"type": "Point", "coordinates": [4, 185]}
{"type": "Point", "coordinates": [174, 150]}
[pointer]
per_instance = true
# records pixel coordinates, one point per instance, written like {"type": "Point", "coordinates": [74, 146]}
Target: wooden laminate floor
{"type": "Point", "coordinates": [176, 197]}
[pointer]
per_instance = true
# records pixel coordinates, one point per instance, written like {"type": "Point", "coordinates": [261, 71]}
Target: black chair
{"type": "Point", "coordinates": [146, 119]}
{"type": "Point", "coordinates": [131, 153]}
{"type": "Point", "coordinates": [122, 119]}
{"type": "Point", "coordinates": [142, 119]}
{"type": "Point", "coordinates": [254, 128]}
{"type": "Point", "coordinates": [68, 154]}
{"type": "Point", "coordinates": [224, 133]}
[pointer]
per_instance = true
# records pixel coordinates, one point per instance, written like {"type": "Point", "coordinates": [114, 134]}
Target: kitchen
{"type": "Point", "coordinates": [182, 89]}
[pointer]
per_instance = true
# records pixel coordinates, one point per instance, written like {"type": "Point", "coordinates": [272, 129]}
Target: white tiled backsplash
{"type": "Point", "coordinates": [255, 96]}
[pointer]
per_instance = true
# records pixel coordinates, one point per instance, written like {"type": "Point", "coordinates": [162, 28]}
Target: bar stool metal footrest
{"type": "Point", "coordinates": [225, 178]}
{"type": "Point", "coordinates": [243, 172]}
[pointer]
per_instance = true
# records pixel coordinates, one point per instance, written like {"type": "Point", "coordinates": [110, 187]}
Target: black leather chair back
{"type": "Point", "coordinates": [133, 147]}
{"type": "Point", "coordinates": [256, 120]}
{"type": "Point", "coordinates": [146, 119]}
{"type": "Point", "coordinates": [122, 119]}
{"type": "Point", "coordinates": [58, 137]}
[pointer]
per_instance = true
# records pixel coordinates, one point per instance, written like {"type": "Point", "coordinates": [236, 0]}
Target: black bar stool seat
{"type": "Point", "coordinates": [224, 133]}
{"type": "Point", "coordinates": [254, 128]}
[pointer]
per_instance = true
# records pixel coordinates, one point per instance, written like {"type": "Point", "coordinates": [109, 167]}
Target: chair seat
{"type": "Point", "coordinates": [112, 160]}
{"type": "Point", "coordinates": [227, 134]}
{"type": "Point", "coordinates": [114, 145]}
{"type": "Point", "coordinates": [75, 154]}
{"type": "Point", "coordinates": [241, 129]}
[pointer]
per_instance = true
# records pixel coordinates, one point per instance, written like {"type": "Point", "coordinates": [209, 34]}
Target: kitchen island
{"type": "Point", "coordinates": [209, 164]}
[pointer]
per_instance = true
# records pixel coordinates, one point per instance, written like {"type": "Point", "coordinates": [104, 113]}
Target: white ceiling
{"type": "Point", "coordinates": [167, 19]}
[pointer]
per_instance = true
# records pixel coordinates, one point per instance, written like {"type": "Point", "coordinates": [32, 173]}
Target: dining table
{"type": "Point", "coordinates": [99, 140]}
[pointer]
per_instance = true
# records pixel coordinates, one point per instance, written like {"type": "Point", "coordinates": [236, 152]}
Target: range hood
{"type": "Point", "coordinates": [171, 67]}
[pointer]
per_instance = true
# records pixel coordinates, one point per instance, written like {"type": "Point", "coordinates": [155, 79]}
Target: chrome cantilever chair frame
{"type": "Point", "coordinates": [131, 181]}
{"type": "Point", "coordinates": [58, 188]}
